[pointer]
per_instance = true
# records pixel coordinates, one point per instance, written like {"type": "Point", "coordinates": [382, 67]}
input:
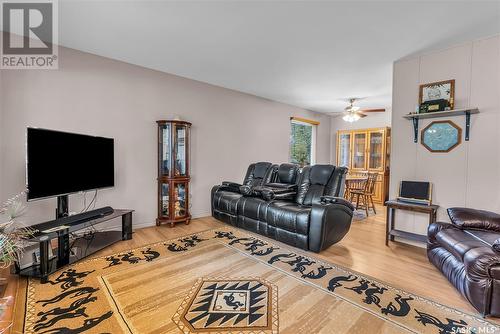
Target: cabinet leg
{"type": "Point", "coordinates": [188, 221]}
{"type": "Point", "coordinates": [172, 224]}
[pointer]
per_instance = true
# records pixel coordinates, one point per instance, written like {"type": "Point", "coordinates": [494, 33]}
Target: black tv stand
{"type": "Point", "coordinates": [62, 228]}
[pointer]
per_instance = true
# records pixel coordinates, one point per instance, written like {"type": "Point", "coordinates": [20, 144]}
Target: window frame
{"type": "Point", "coordinates": [314, 126]}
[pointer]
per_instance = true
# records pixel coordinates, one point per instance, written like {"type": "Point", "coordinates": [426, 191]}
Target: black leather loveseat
{"type": "Point", "coordinates": [300, 208]}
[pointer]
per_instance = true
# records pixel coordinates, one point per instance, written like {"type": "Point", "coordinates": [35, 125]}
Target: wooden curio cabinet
{"type": "Point", "coordinates": [173, 172]}
{"type": "Point", "coordinates": [366, 150]}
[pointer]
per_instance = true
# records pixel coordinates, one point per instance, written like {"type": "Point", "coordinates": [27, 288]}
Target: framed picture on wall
{"type": "Point", "coordinates": [438, 90]}
{"type": "Point", "coordinates": [441, 136]}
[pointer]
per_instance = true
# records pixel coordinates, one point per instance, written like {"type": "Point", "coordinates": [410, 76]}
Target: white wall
{"type": "Point", "coordinates": [99, 96]}
{"type": "Point", "coordinates": [469, 175]}
{"type": "Point", "coordinates": [373, 120]}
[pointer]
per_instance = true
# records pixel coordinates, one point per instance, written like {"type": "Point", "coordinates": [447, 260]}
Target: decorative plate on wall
{"type": "Point", "coordinates": [441, 136]}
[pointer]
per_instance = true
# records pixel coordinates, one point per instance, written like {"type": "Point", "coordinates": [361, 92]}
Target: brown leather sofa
{"type": "Point", "coordinates": [467, 252]}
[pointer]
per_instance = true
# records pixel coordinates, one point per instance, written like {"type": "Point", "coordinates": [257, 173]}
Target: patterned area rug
{"type": "Point", "coordinates": [228, 281]}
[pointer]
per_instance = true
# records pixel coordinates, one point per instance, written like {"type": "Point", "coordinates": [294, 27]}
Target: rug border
{"type": "Point", "coordinates": [113, 303]}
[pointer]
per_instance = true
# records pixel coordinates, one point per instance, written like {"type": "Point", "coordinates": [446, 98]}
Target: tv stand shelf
{"type": "Point", "coordinates": [91, 243]}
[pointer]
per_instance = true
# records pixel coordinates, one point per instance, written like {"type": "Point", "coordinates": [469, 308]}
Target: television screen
{"type": "Point", "coordinates": [60, 163]}
{"type": "Point", "coordinates": [415, 190]}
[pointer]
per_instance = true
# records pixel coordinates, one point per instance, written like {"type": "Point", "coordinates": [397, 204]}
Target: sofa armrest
{"type": "Point", "coordinates": [433, 230]}
{"type": "Point", "coordinates": [230, 186]}
{"type": "Point", "coordinates": [329, 223]}
{"type": "Point", "coordinates": [281, 191]}
{"type": "Point", "coordinates": [340, 200]}
{"type": "Point", "coordinates": [282, 186]}
{"type": "Point", "coordinates": [481, 263]}
{"type": "Point", "coordinates": [248, 190]}
{"type": "Point", "coordinates": [214, 190]}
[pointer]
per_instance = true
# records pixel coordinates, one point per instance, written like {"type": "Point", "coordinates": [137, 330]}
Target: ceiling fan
{"type": "Point", "coordinates": [353, 114]}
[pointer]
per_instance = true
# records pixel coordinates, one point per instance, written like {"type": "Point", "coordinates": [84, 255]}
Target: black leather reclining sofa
{"type": "Point", "coordinates": [300, 208]}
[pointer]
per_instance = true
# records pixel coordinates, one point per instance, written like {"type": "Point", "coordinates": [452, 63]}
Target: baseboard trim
{"type": "Point", "coordinates": [142, 225]}
{"type": "Point", "coordinates": [136, 226]}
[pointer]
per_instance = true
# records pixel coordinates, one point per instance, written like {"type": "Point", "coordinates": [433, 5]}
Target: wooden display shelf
{"type": "Point", "coordinates": [173, 172]}
{"type": "Point", "coordinates": [447, 113]}
{"type": "Point", "coordinates": [373, 146]}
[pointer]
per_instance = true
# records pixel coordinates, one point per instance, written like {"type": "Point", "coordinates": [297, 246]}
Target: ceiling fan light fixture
{"type": "Point", "coordinates": [351, 117]}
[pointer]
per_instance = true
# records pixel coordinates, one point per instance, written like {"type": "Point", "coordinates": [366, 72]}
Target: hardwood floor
{"type": "Point", "coordinates": [362, 250]}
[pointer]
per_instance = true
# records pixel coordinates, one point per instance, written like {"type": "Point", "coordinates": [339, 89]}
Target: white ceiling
{"type": "Point", "coordinates": [308, 54]}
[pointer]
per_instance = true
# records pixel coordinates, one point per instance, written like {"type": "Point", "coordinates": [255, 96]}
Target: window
{"type": "Point", "coordinates": [303, 141]}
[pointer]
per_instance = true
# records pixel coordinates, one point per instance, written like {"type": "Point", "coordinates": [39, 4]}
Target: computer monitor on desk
{"type": "Point", "coordinates": [415, 192]}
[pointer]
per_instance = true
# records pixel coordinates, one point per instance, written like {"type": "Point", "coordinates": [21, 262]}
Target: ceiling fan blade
{"type": "Point", "coordinates": [372, 110]}
{"type": "Point", "coordinates": [361, 114]}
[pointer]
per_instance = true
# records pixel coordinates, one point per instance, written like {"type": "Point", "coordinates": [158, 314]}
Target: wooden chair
{"type": "Point", "coordinates": [366, 193]}
{"type": "Point", "coordinates": [357, 183]}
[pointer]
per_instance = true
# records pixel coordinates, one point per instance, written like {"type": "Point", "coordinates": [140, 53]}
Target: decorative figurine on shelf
{"type": "Point", "coordinates": [177, 208]}
{"type": "Point", "coordinates": [177, 168]}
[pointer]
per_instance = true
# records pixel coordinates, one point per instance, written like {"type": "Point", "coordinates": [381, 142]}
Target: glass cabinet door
{"type": "Point", "coordinates": [180, 137]}
{"type": "Point", "coordinates": [165, 147]}
{"type": "Point", "coordinates": [359, 151]}
{"type": "Point", "coordinates": [344, 149]}
{"type": "Point", "coordinates": [164, 199]}
{"type": "Point", "coordinates": [180, 203]}
{"type": "Point", "coordinates": [376, 150]}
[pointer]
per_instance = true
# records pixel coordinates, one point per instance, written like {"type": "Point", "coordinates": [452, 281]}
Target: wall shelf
{"type": "Point", "coordinates": [448, 113]}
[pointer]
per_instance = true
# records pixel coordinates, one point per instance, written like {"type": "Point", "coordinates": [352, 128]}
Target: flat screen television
{"type": "Point", "coordinates": [60, 163]}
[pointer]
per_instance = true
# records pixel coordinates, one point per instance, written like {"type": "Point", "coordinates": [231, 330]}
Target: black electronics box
{"type": "Point", "coordinates": [415, 192]}
{"type": "Point", "coordinates": [433, 106]}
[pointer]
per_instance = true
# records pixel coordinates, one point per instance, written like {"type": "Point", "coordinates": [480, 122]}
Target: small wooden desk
{"type": "Point", "coordinates": [391, 232]}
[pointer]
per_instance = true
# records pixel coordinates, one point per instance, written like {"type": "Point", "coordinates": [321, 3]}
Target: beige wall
{"type": "Point", "coordinates": [373, 120]}
{"type": "Point", "coordinates": [94, 95]}
{"type": "Point", "coordinates": [469, 175]}
{"type": "Point", "coordinates": [1, 132]}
